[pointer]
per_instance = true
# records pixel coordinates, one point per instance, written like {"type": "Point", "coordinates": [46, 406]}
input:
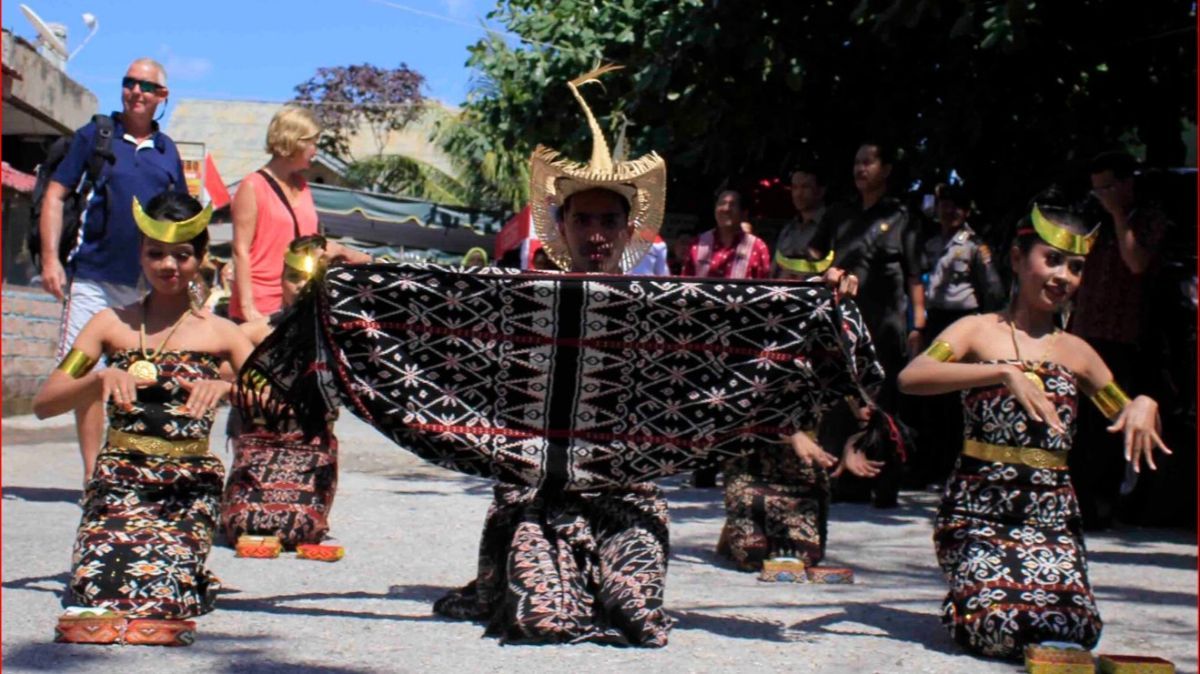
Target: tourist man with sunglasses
{"type": "Point", "coordinates": [103, 271]}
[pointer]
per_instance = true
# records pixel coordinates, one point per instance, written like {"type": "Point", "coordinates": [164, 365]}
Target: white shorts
{"type": "Point", "coordinates": [86, 299]}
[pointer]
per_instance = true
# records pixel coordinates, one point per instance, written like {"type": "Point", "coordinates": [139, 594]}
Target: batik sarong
{"type": "Point", "coordinates": [570, 567]}
{"type": "Point", "coordinates": [148, 520]}
{"type": "Point", "coordinates": [775, 506]}
{"type": "Point", "coordinates": [1009, 536]}
{"type": "Point", "coordinates": [280, 485]}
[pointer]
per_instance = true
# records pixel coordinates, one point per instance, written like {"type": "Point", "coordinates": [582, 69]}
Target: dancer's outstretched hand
{"type": "Point", "coordinates": [119, 386]}
{"type": "Point", "coordinates": [1139, 421]}
{"type": "Point", "coordinates": [1036, 402]}
{"type": "Point", "coordinates": [205, 394]}
{"type": "Point", "coordinates": [855, 460]}
{"type": "Point", "coordinates": [809, 452]}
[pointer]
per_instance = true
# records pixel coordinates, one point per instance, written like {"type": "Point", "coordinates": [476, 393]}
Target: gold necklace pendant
{"type": "Point", "coordinates": [1036, 379]}
{"type": "Point", "coordinates": [143, 371]}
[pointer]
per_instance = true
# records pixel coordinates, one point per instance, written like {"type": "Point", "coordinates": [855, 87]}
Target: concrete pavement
{"type": "Point", "coordinates": [411, 531]}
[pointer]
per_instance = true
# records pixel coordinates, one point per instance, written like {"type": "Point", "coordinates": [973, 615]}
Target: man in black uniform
{"type": "Point", "coordinates": [807, 185]}
{"type": "Point", "coordinates": [961, 281]}
{"type": "Point", "coordinates": [872, 239]}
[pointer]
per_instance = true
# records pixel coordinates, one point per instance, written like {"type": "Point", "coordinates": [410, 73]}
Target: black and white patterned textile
{"type": "Point", "coordinates": [561, 380]}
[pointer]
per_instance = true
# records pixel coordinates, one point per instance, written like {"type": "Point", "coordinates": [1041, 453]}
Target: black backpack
{"type": "Point", "coordinates": [75, 202]}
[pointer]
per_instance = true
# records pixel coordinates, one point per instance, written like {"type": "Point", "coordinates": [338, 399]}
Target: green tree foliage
{"type": "Point", "coordinates": [350, 100]}
{"type": "Point", "coordinates": [1012, 94]}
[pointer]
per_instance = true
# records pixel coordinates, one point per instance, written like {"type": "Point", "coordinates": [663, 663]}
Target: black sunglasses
{"type": "Point", "coordinates": [145, 86]}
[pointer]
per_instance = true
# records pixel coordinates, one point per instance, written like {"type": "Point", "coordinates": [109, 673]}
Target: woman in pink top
{"type": "Point", "coordinates": [272, 207]}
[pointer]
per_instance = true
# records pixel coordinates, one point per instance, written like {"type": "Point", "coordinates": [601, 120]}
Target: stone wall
{"type": "Point", "coordinates": [30, 334]}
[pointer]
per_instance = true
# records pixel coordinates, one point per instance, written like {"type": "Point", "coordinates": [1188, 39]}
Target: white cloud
{"type": "Point", "coordinates": [186, 68]}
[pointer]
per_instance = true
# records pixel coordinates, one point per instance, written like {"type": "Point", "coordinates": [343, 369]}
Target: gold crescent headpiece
{"type": "Point", "coordinates": [306, 261]}
{"type": "Point", "coordinates": [1060, 237]}
{"type": "Point", "coordinates": [168, 231]}
{"type": "Point", "coordinates": [801, 265]}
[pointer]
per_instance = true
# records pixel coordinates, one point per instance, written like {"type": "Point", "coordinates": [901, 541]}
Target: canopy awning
{"type": "Point", "coordinates": [400, 222]}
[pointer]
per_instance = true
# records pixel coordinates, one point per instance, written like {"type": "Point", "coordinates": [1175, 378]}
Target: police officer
{"type": "Point", "coordinates": [873, 239]}
{"type": "Point", "coordinates": [961, 280]}
{"type": "Point", "coordinates": [961, 277]}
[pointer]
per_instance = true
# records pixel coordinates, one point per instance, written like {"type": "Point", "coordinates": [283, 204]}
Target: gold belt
{"type": "Point", "coordinates": [148, 444]}
{"type": "Point", "coordinates": [1030, 456]}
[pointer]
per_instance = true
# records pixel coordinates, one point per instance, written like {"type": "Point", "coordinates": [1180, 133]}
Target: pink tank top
{"type": "Point", "coordinates": [273, 230]}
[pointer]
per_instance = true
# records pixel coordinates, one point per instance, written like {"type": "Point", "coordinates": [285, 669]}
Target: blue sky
{"type": "Point", "coordinates": [259, 50]}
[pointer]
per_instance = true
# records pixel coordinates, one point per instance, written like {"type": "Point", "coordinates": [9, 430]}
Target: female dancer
{"type": "Point", "coordinates": [280, 484]}
{"type": "Point", "coordinates": [150, 506]}
{"type": "Point", "coordinates": [1008, 533]}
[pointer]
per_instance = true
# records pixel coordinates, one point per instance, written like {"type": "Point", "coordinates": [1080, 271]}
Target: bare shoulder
{"type": "Point", "coordinates": [219, 324]}
{"type": "Point", "coordinates": [972, 336]}
{"type": "Point", "coordinates": [972, 325]}
{"type": "Point", "coordinates": [1074, 352]}
{"type": "Point", "coordinates": [105, 324]}
{"type": "Point", "coordinates": [257, 330]}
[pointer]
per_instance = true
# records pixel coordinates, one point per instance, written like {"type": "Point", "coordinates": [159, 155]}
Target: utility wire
{"type": "Point", "coordinates": [467, 24]}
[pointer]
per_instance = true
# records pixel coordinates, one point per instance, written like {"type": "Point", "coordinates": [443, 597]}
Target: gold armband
{"type": "Point", "coordinates": [1111, 400]}
{"type": "Point", "coordinates": [941, 352]}
{"type": "Point", "coordinates": [76, 364]}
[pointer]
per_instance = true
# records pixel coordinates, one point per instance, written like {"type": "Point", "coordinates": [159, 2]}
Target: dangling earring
{"type": "Point", "coordinates": [197, 295]}
{"type": "Point", "coordinates": [1064, 316]}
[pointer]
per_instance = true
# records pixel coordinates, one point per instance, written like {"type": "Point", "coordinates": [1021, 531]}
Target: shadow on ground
{"type": "Point", "coordinates": [43, 494]}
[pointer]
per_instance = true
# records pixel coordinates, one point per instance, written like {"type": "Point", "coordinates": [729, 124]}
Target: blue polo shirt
{"type": "Point", "coordinates": [109, 251]}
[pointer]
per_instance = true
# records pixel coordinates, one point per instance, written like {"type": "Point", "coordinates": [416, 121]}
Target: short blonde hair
{"type": "Point", "coordinates": [288, 127]}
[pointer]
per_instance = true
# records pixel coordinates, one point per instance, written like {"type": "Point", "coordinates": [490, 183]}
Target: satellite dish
{"type": "Point", "coordinates": [47, 34]}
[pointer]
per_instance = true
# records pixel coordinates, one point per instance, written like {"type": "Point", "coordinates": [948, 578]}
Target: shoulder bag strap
{"type": "Point", "coordinates": [282, 197]}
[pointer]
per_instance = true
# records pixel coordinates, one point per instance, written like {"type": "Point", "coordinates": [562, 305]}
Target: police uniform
{"type": "Point", "coordinates": [961, 279]}
{"type": "Point", "coordinates": [879, 246]}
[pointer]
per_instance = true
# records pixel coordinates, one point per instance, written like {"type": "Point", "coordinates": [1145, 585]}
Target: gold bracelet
{"type": "Point", "coordinates": [941, 352]}
{"type": "Point", "coordinates": [1110, 400]}
{"type": "Point", "coordinates": [76, 364]}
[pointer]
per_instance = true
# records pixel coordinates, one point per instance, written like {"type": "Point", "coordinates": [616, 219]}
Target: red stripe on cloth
{"type": "Point", "coordinates": [576, 343]}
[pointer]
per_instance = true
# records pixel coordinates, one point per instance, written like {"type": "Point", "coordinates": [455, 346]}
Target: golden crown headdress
{"type": "Point", "coordinates": [1060, 237]}
{"type": "Point", "coordinates": [168, 231]}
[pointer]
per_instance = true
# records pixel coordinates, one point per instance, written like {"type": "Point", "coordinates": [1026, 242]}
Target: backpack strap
{"type": "Point", "coordinates": [102, 148]}
{"type": "Point", "coordinates": [282, 197]}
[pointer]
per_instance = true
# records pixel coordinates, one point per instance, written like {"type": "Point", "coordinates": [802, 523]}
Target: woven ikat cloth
{"type": "Point", "coordinates": [568, 381]}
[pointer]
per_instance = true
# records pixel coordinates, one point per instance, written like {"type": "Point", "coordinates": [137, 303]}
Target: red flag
{"type": "Point", "coordinates": [514, 232]}
{"type": "Point", "coordinates": [217, 194]}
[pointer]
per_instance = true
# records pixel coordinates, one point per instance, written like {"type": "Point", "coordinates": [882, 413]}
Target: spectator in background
{"type": "Point", "coordinates": [105, 270]}
{"type": "Point", "coordinates": [654, 263]}
{"type": "Point", "coordinates": [680, 250]}
{"type": "Point", "coordinates": [1108, 315]}
{"type": "Point", "coordinates": [961, 281]}
{"type": "Point", "coordinates": [273, 206]}
{"type": "Point", "coordinates": [728, 251]}
{"type": "Point", "coordinates": [872, 239]}
{"type": "Point", "coordinates": [807, 185]}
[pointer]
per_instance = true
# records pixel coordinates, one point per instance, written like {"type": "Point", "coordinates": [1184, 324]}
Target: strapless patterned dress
{"type": "Point", "coordinates": [150, 508]}
{"type": "Point", "coordinates": [1008, 534]}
